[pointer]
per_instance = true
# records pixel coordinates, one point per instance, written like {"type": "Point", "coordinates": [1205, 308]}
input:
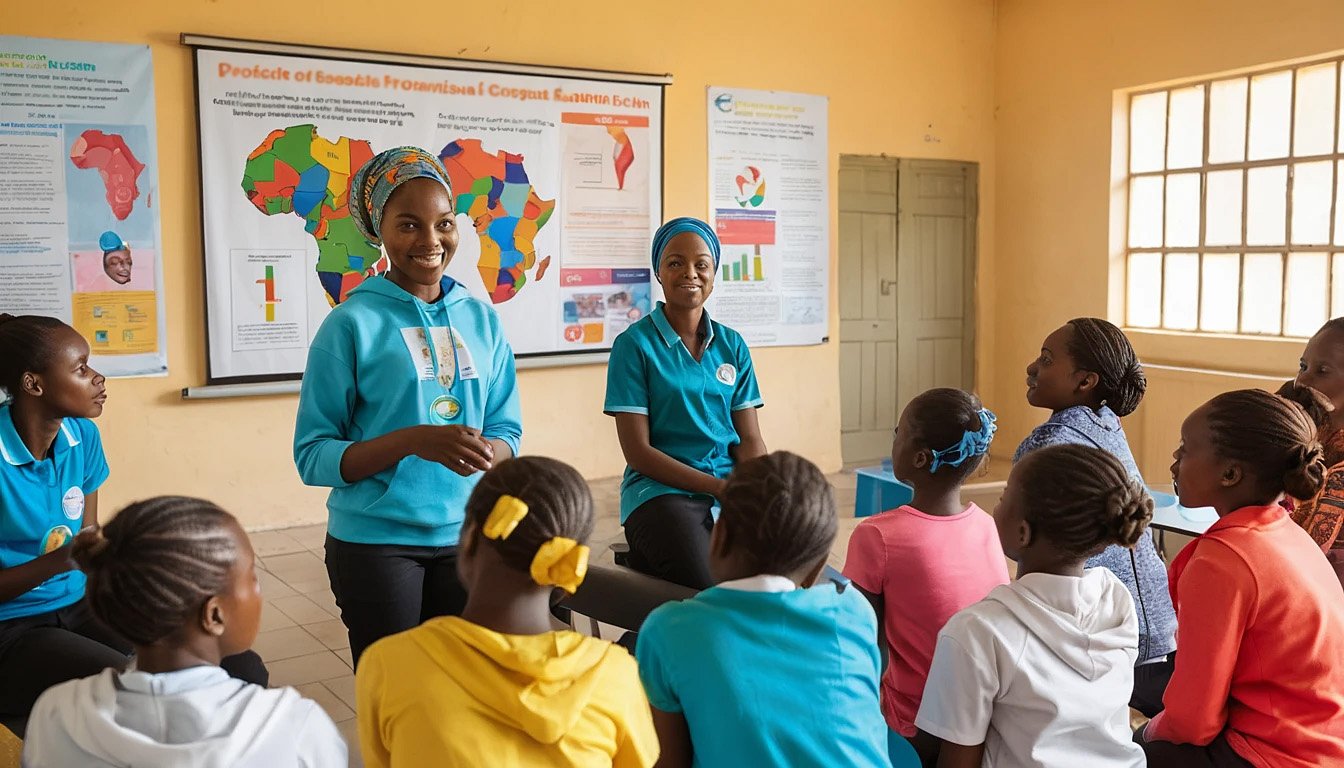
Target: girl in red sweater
{"type": "Point", "coordinates": [1260, 614]}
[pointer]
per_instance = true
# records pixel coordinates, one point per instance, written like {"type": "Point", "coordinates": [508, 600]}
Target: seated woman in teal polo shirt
{"type": "Point", "coordinates": [683, 391]}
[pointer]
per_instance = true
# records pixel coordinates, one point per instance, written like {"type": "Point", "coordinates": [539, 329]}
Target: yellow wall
{"type": "Point", "coordinates": [1057, 65]}
{"type": "Point", "coordinates": [912, 78]}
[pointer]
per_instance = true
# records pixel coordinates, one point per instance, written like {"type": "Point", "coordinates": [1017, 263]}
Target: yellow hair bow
{"type": "Point", "coordinates": [560, 563]}
{"type": "Point", "coordinates": [508, 512]}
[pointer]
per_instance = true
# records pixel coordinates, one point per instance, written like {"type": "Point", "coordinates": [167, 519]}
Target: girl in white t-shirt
{"type": "Point", "coordinates": [1039, 673]}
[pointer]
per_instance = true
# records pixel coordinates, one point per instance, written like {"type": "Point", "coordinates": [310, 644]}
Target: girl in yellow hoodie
{"type": "Point", "coordinates": [498, 686]}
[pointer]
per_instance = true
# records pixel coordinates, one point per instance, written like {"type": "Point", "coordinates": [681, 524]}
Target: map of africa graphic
{"type": "Point", "coordinates": [297, 171]}
{"type": "Point", "coordinates": [118, 167]}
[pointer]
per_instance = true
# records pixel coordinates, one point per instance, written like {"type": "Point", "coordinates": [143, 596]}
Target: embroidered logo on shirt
{"type": "Point", "coordinates": [72, 503]}
{"type": "Point", "coordinates": [726, 374]}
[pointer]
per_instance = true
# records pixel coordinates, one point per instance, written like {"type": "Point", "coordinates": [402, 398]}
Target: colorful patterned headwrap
{"type": "Point", "coordinates": [675, 227]}
{"type": "Point", "coordinates": [375, 181]}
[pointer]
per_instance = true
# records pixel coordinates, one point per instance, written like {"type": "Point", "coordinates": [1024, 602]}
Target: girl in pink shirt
{"type": "Point", "coordinates": [923, 562]}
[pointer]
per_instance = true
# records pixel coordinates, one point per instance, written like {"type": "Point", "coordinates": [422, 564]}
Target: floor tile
{"type": "Point", "coordinates": [296, 566]}
{"type": "Point", "coordinates": [312, 537]}
{"type": "Point", "coordinates": [343, 686]}
{"type": "Point", "coordinates": [274, 543]}
{"type": "Point", "coordinates": [301, 609]}
{"type": "Point", "coordinates": [286, 643]}
{"type": "Point", "coordinates": [273, 618]}
{"type": "Point", "coordinates": [334, 707]}
{"type": "Point", "coordinates": [272, 586]}
{"type": "Point", "coordinates": [332, 633]}
{"type": "Point", "coordinates": [311, 668]}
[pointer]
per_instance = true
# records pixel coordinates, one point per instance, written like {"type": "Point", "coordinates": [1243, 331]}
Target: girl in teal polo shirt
{"type": "Point", "coordinates": [683, 391]}
{"type": "Point", "coordinates": [51, 465]}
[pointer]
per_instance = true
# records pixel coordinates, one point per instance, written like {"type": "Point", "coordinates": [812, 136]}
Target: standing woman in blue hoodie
{"type": "Point", "coordinates": [408, 396]}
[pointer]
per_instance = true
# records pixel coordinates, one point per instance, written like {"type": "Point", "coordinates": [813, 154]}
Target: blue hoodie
{"type": "Point", "coordinates": [369, 373]}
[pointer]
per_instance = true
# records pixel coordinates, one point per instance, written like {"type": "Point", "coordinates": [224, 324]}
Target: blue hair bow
{"type": "Point", "coordinates": [972, 444]}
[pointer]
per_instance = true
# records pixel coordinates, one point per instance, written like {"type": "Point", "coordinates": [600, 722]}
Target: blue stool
{"type": "Point", "coordinates": [878, 490]}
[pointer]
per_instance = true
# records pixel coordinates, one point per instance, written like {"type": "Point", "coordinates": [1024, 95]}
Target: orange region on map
{"type": "Point", "coordinates": [116, 164]}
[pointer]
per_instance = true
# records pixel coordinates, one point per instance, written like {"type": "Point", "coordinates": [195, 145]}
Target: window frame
{"type": "Point", "coordinates": [1123, 153]}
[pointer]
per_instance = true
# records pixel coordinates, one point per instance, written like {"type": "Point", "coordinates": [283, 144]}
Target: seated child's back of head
{"type": "Point", "coordinates": [498, 685]}
{"type": "Point", "coordinates": [177, 577]}
{"type": "Point", "coordinates": [921, 563]}
{"type": "Point", "coordinates": [765, 668]}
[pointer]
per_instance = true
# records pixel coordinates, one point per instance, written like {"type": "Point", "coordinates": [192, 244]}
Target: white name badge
{"type": "Point", "coordinates": [465, 364]}
{"type": "Point", "coordinates": [419, 350]}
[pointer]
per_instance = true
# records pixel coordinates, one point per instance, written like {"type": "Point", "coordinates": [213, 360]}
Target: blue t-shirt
{"type": "Point", "coordinates": [42, 506]}
{"type": "Point", "coordinates": [1080, 425]}
{"type": "Point", "coordinates": [769, 678]}
{"type": "Point", "coordinates": [689, 403]}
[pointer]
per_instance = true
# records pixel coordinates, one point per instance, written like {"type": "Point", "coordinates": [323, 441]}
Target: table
{"type": "Point", "coordinates": [1169, 515]}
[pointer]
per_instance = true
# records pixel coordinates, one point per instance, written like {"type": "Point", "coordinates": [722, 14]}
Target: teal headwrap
{"type": "Point", "coordinates": [375, 181]}
{"type": "Point", "coordinates": [675, 227]}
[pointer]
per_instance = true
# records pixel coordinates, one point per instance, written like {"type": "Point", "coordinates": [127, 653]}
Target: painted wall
{"type": "Point", "coordinates": [1057, 65]}
{"type": "Point", "coordinates": [912, 78]}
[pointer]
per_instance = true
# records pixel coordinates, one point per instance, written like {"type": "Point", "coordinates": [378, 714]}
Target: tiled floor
{"type": "Point", "coordinates": [305, 645]}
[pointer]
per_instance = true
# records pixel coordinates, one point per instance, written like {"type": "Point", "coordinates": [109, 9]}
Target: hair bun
{"type": "Point", "coordinates": [1305, 473]}
{"type": "Point", "coordinates": [1129, 509]}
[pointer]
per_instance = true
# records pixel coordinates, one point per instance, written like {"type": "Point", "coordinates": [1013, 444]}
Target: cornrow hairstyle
{"type": "Point", "coordinates": [1274, 437]}
{"type": "Point", "coordinates": [558, 504]}
{"type": "Point", "coordinates": [1082, 499]}
{"type": "Point", "coordinates": [778, 511]}
{"type": "Point", "coordinates": [939, 418]}
{"type": "Point", "coordinates": [1100, 347]}
{"type": "Point", "coordinates": [155, 565]}
{"type": "Point", "coordinates": [26, 345]}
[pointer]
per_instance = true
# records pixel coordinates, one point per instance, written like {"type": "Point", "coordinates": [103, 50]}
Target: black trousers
{"type": "Point", "coordinates": [1217, 754]}
{"type": "Point", "coordinates": [37, 652]}
{"type": "Point", "coordinates": [1150, 683]}
{"type": "Point", "coordinates": [669, 539]}
{"type": "Point", "coordinates": [385, 589]}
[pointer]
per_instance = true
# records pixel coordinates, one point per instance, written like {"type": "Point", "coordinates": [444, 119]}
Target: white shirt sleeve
{"type": "Point", "coordinates": [962, 686]}
{"type": "Point", "coordinates": [320, 744]}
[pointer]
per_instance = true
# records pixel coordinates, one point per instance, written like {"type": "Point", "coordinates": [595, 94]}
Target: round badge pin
{"type": "Point", "coordinates": [726, 374]}
{"type": "Point", "coordinates": [72, 503]}
{"type": "Point", "coordinates": [445, 408]}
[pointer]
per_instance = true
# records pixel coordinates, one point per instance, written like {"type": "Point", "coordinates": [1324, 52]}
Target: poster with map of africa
{"type": "Point", "coordinates": [79, 204]}
{"type": "Point", "coordinates": [556, 181]}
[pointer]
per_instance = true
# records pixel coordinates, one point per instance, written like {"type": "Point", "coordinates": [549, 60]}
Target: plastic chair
{"type": "Point", "coordinates": [878, 490]}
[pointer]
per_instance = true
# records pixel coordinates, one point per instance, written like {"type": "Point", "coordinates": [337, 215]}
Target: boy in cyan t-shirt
{"type": "Point", "coordinates": [766, 669]}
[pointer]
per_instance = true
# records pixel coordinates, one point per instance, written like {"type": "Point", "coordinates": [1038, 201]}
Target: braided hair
{"type": "Point", "coordinates": [26, 345]}
{"type": "Point", "coordinates": [1274, 437]}
{"type": "Point", "coordinates": [155, 565]}
{"type": "Point", "coordinates": [1082, 499]}
{"type": "Point", "coordinates": [939, 418]}
{"type": "Point", "coordinates": [558, 504]}
{"type": "Point", "coordinates": [1100, 347]}
{"type": "Point", "coordinates": [779, 512]}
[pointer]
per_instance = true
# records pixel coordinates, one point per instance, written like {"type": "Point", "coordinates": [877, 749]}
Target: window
{"type": "Point", "coordinates": [1235, 213]}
